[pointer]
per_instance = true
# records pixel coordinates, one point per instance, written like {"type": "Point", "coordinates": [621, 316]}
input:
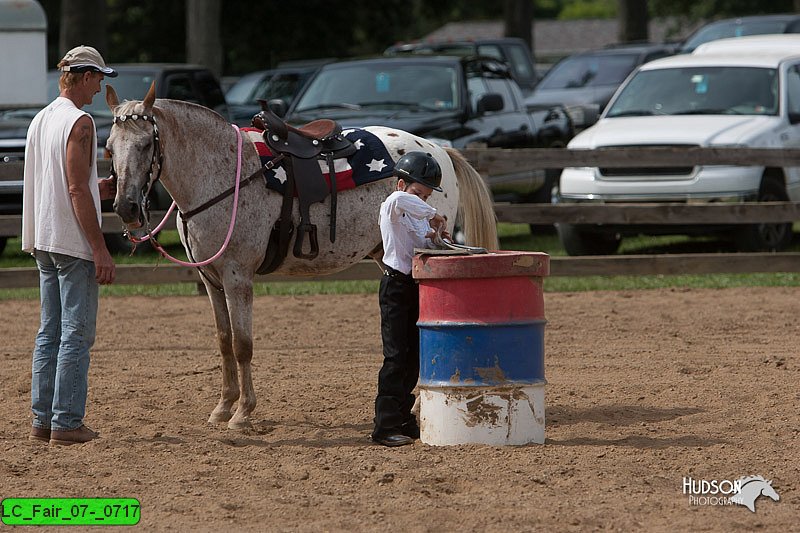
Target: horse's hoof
{"type": "Point", "coordinates": [239, 423]}
{"type": "Point", "coordinates": [219, 416]}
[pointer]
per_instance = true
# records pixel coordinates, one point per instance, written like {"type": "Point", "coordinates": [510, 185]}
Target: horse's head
{"type": "Point", "coordinates": [767, 490]}
{"type": "Point", "coordinates": [136, 154]}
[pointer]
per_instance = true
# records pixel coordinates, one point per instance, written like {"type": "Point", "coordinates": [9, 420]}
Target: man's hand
{"type": "Point", "coordinates": [108, 188]}
{"type": "Point", "coordinates": [105, 270]}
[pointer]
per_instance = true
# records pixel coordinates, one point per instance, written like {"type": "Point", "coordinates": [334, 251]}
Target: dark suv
{"type": "Point", "coordinates": [191, 83]}
{"type": "Point", "coordinates": [281, 82]}
{"type": "Point", "coordinates": [587, 80]}
{"type": "Point", "coordinates": [452, 101]}
{"type": "Point", "coordinates": [511, 50]}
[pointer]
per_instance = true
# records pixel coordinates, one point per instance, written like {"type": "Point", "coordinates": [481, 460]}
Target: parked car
{"type": "Point", "coordinates": [741, 27]}
{"type": "Point", "coordinates": [513, 51]}
{"type": "Point", "coordinates": [729, 93]}
{"type": "Point", "coordinates": [192, 83]}
{"type": "Point", "coordinates": [585, 82]}
{"type": "Point", "coordinates": [283, 83]}
{"type": "Point", "coordinates": [450, 100]}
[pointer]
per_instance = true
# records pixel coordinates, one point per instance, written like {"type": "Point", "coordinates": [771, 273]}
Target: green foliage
{"type": "Point", "coordinates": [132, 23]}
{"type": "Point", "coordinates": [547, 9]}
{"type": "Point", "coordinates": [259, 35]}
{"type": "Point", "coordinates": [588, 9]}
{"type": "Point", "coordinates": [716, 9]}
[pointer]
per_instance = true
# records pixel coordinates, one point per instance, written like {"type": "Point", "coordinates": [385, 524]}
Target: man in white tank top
{"type": "Point", "coordinates": [61, 228]}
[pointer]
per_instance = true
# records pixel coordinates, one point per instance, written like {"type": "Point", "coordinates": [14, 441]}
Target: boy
{"type": "Point", "coordinates": [406, 222]}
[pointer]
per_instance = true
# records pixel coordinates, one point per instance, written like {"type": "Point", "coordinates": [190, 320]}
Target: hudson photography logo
{"type": "Point", "coordinates": [743, 491]}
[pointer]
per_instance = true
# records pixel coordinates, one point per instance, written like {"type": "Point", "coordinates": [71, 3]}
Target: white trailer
{"type": "Point", "coordinates": [23, 54]}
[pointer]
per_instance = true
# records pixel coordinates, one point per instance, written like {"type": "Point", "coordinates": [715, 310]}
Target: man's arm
{"type": "Point", "coordinates": [79, 164]}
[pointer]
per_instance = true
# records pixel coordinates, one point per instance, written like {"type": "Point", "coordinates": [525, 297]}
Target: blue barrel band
{"type": "Point", "coordinates": [474, 355]}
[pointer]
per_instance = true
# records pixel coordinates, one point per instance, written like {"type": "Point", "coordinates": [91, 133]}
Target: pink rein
{"type": "Point", "coordinates": [161, 224]}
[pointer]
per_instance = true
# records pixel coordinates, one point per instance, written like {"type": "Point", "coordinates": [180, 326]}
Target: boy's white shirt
{"type": "Point", "coordinates": [405, 221]}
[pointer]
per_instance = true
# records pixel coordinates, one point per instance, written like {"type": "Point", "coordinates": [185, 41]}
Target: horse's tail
{"type": "Point", "coordinates": [475, 210]}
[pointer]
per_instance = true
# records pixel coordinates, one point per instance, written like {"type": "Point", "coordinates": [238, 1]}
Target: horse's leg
{"type": "Point", "coordinates": [239, 296]}
{"type": "Point", "coordinates": [230, 386]}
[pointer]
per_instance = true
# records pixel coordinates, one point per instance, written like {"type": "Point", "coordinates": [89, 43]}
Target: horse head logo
{"type": "Point", "coordinates": [752, 488]}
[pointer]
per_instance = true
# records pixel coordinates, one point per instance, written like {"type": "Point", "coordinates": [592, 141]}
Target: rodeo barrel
{"type": "Point", "coordinates": [481, 326]}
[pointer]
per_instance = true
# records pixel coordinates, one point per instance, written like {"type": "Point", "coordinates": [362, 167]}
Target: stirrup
{"type": "Point", "coordinates": [302, 229]}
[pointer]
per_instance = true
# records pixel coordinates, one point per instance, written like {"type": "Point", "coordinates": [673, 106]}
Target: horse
{"type": "Point", "coordinates": [751, 488]}
{"type": "Point", "coordinates": [194, 152]}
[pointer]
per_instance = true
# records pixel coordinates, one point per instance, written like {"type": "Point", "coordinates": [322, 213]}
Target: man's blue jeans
{"type": "Point", "coordinates": [60, 372]}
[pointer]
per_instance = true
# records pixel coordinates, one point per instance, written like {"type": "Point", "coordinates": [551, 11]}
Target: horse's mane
{"type": "Point", "coordinates": [128, 107]}
{"type": "Point", "coordinates": [748, 479]}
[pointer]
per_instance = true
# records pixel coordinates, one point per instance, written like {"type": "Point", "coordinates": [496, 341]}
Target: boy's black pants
{"type": "Point", "coordinates": [399, 303]}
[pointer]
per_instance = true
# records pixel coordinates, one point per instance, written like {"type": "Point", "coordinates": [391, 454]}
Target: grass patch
{"type": "Point", "coordinates": [705, 281]}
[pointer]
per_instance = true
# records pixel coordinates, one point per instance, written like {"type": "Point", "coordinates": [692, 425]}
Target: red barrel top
{"type": "Point", "coordinates": [498, 264]}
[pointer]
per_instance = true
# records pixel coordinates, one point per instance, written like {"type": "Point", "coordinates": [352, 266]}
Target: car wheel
{"type": "Point", "coordinates": [577, 240]}
{"type": "Point", "coordinates": [765, 237]}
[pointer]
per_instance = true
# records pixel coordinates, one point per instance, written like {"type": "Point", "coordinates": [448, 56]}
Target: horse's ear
{"type": "Point", "coordinates": [150, 99]}
{"type": "Point", "coordinates": [111, 97]}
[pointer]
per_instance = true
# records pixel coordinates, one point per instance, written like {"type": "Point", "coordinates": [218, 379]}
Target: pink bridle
{"type": "Point", "coordinates": [164, 253]}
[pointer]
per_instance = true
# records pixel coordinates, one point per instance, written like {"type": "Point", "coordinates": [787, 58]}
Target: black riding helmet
{"type": "Point", "coordinates": [420, 167]}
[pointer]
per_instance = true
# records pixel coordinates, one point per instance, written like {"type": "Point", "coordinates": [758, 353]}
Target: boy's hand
{"type": "Point", "coordinates": [439, 223]}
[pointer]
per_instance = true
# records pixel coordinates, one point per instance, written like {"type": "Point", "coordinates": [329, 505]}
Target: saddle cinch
{"type": "Point", "coordinates": [300, 149]}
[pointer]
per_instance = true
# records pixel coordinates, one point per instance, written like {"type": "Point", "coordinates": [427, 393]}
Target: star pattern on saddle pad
{"type": "Point", "coordinates": [280, 174]}
{"type": "Point", "coordinates": [376, 165]}
{"type": "Point", "coordinates": [358, 143]}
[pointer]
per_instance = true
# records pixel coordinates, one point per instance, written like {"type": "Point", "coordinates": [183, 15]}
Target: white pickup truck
{"type": "Point", "coordinates": [742, 92]}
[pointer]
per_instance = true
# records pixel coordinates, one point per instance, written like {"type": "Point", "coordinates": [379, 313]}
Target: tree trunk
{"type": "Point", "coordinates": [518, 20]}
{"type": "Point", "coordinates": [203, 42]}
{"type": "Point", "coordinates": [633, 20]}
{"type": "Point", "coordinates": [83, 22]}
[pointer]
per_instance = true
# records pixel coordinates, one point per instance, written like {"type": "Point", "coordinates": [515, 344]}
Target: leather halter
{"type": "Point", "coordinates": [157, 161]}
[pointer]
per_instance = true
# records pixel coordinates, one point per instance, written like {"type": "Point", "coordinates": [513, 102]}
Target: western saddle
{"type": "Point", "coordinates": [300, 150]}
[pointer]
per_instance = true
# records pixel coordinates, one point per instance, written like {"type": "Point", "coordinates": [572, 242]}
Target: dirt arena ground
{"type": "Point", "coordinates": [644, 388]}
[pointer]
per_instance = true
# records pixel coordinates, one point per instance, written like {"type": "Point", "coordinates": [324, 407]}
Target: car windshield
{"type": "Point", "coordinates": [699, 90]}
{"type": "Point", "coordinates": [283, 85]}
{"type": "Point", "coordinates": [724, 30]}
{"type": "Point", "coordinates": [589, 71]}
{"type": "Point", "coordinates": [243, 91]}
{"type": "Point", "coordinates": [132, 85]}
{"type": "Point", "coordinates": [412, 86]}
